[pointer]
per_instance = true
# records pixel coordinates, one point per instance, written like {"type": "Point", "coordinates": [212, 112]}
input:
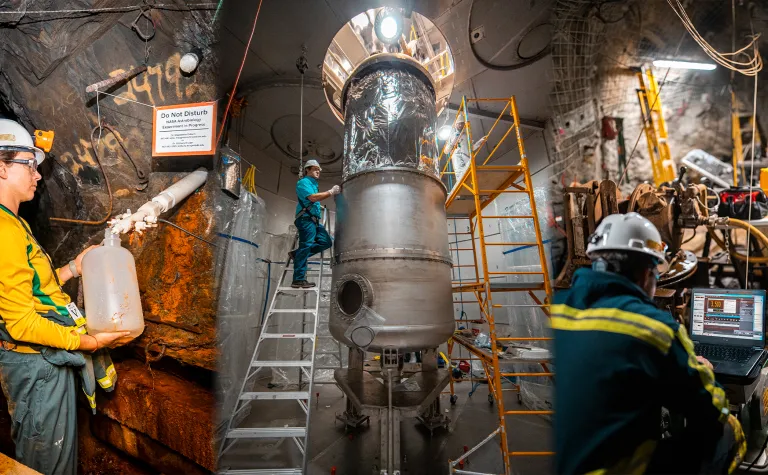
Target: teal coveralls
{"type": "Point", "coordinates": [619, 359]}
{"type": "Point", "coordinates": [313, 237]}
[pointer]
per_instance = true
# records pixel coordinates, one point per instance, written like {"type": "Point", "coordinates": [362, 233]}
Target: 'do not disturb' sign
{"type": "Point", "coordinates": [185, 129]}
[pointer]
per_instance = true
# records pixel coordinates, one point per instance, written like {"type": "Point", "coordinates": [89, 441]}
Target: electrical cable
{"type": "Point", "coordinates": [757, 457]}
{"type": "Point", "coordinates": [752, 161]}
{"type": "Point", "coordinates": [163, 6]}
{"type": "Point", "coordinates": [656, 99]}
{"type": "Point", "coordinates": [239, 72]}
{"type": "Point", "coordinates": [73, 14]}
{"type": "Point", "coordinates": [502, 67]}
{"type": "Point", "coordinates": [164, 221]}
{"type": "Point", "coordinates": [747, 68]}
{"type": "Point", "coordinates": [106, 182]}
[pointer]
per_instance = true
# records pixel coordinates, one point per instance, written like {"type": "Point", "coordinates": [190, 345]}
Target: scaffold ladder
{"type": "Point", "coordinates": [304, 363]}
{"type": "Point", "coordinates": [654, 126]}
{"type": "Point", "coordinates": [475, 189]}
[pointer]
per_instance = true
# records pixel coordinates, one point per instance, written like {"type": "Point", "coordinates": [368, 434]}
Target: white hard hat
{"type": "Point", "coordinates": [14, 137]}
{"type": "Point", "coordinates": [312, 163]}
{"type": "Point", "coordinates": [627, 232]}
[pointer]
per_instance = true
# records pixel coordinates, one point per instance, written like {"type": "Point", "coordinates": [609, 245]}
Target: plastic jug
{"type": "Point", "coordinates": [111, 289]}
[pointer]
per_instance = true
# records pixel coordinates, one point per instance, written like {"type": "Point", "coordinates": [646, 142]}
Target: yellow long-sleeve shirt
{"type": "Point", "coordinates": [29, 288]}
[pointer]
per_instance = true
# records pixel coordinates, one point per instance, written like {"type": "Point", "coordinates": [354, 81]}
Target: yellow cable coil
{"type": "Point", "coordinates": [249, 180]}
{"type": "Point", "coordinates": [753, 231]}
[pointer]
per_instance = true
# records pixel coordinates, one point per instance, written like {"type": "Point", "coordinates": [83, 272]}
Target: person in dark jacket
{"type": "Point", "coordinates": [620, 360]}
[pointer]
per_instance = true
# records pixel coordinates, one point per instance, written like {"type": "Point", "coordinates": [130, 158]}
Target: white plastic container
{"type": "Point", "coordinates": [111, 289]}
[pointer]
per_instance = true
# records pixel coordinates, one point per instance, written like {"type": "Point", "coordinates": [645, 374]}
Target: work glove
{"type": "Point", "coordinates": [335, 190]}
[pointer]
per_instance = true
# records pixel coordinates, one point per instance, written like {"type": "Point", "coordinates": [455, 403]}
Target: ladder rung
{"type": "Point", "coordinates": [482, 192]}
{"type": "Point", "coordinates": [524, 338]}
{"type": "Point", "coordinates": [281, 364]}
{"type": "Point", "coordinates": [327, 367]}
{"type": "Point", "coordinates": [287, 335]}
{"type": "Point", "coordinates": [291, 289]}
{"type": "Point", "coordinates": [516, 273]}
{"type": "Point", "coordinates": [529, 454]}
{"type": "Point", "coordinates": [511, 244]}
{"type": "Point", "coordinates": [292, 310]}
{"type": "Point", "coordinates": [521, 413]}
{"type": "Point", "coordinates": [266, 433]}
{"type": "Point", "coordinates": [510, 375]}
{"type": "Point", "coordinates": [275, 395]}
{"type": "Point", "coordinates": [522, 216]}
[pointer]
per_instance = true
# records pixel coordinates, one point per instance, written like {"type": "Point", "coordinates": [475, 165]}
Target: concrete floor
{"type": "Point", "coordinates": [357, 451]}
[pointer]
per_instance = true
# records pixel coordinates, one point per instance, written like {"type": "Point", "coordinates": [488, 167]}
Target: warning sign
{"type": "Point", "coordinates": [186, 129]}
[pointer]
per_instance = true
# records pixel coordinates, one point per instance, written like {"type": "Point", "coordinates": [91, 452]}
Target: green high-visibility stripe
{"type": "Point", "coordinates": [37, 292]}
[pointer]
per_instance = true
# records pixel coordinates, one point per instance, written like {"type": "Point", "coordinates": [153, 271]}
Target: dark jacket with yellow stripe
{"type": "Point", "coordinates": [619, 360]}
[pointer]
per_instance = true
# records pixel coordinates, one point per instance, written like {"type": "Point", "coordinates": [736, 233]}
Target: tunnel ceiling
{"type": "Point", "coordinates": [270, 79]}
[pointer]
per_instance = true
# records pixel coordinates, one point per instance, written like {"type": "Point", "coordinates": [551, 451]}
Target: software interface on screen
{"type": "Point", "coordinates": [728, 315]}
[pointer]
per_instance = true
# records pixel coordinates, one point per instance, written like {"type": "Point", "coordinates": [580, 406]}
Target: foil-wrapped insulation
{"type": "Point", "coordinates": [389, 122]}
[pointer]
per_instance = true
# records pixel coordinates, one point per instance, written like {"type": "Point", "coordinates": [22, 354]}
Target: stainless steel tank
{"type": "Point", "coordinates": [392, 266]}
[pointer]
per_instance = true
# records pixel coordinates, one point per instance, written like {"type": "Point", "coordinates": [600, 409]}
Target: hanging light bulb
{"type": "Point", "coordinates": [389, 25]}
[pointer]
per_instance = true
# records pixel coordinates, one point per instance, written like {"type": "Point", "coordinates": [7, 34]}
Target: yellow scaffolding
{"type": "Point", "coordinates": [655, 127]}
{"type": "Point", "coordinates": [472, 189]}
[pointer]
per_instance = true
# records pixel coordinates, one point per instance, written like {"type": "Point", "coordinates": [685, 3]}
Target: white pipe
{"type": "Point", "coordinates": [148, 213]}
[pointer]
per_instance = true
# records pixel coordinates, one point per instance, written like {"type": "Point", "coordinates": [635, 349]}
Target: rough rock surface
{"type": "Point", "coordinates": [46, 63]}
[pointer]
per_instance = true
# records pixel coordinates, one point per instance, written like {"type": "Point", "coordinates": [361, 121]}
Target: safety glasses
{"type": "Point", "coordinates": [30, 162]}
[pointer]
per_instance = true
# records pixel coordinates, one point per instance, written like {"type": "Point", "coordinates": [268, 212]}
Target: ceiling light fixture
{"type": "Point", "coordinates": [663, 63]}
{"type": "Point", "coordinates": [444, 132]}
{"type": "Point", "coordinates": [389, 25]}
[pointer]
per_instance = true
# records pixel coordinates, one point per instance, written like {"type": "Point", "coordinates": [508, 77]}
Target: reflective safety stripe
{"type": "Point", "coordinates": [109, 380]}
{"type": "Point", "coordinates": [613, 320]}
{"type": "Point", "coordinates": [741, 441]}
{"type": "Point", "coordinates": [636, 464]}
{"type": "Point", "coordinates": [705, 374]}
{"type": "Point", "coordinates": [91, 399]}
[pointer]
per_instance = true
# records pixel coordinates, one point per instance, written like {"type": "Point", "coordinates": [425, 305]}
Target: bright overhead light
{"type": "Point", "coordinates": [389, 25]}
{"type": "Point", "coordinates": [444, 132]}
{"type": "Point", "coordinates": [663, 63]}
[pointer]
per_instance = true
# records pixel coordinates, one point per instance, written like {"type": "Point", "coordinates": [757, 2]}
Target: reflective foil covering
{"type": "Point", "coordinates": [390, 122]}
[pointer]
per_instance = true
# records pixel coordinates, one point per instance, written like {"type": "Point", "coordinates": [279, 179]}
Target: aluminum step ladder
{"type": "Point", "coordinates": [329, 350]}
{"type": "Point", "coordinates": [305, 363]}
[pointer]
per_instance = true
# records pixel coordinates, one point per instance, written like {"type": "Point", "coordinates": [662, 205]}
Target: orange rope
{"type": "Point", "coordinates": [237, 79]}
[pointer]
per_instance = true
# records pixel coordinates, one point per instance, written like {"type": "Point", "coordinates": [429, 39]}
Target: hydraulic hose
{"type": "Point", "coordinates": [753, 231]}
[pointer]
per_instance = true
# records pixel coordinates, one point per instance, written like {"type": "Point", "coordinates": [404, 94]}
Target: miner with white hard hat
{"type": "Point", "coordinates": [42, 333]}
{"type": "Point", "coordinates": [620, 360]}
{"type": "Point", "coordinates": [313, 237]}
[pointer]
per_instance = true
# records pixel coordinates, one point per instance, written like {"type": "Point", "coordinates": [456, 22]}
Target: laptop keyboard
{"type": "Point", "coordinates": [724, 353]}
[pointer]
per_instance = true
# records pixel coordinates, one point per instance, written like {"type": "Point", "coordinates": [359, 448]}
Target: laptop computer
{"type": "Point", "coordinates": [728, 328]}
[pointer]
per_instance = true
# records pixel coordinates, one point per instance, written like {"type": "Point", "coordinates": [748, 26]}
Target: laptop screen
{"type": "Point", "coordinates": [733, 316]}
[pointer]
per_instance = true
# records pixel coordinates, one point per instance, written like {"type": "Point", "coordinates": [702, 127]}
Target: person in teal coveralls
{"type": "Point", "coordinates": [313, 237]}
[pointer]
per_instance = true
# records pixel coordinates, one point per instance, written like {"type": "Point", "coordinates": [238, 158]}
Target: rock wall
{"type": "Point", "coordinates": [159, 417]}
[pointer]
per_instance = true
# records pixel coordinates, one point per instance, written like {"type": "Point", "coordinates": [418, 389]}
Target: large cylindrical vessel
{"type": "Point", "coordinates": [392, 266]}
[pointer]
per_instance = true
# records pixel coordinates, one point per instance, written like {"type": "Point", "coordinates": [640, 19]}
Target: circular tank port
{"type": "Point", "coordinates": [350, 297]}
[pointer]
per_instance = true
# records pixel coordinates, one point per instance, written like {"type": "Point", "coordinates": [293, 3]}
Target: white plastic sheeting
{"type": "Point", "coordinates": [242, 284]}
{"type": "Point", "coordinates": [527, 321]}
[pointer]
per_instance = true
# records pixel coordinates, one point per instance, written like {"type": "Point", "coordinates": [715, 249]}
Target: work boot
{"type": "Point", "coordinates": [302, 284]}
